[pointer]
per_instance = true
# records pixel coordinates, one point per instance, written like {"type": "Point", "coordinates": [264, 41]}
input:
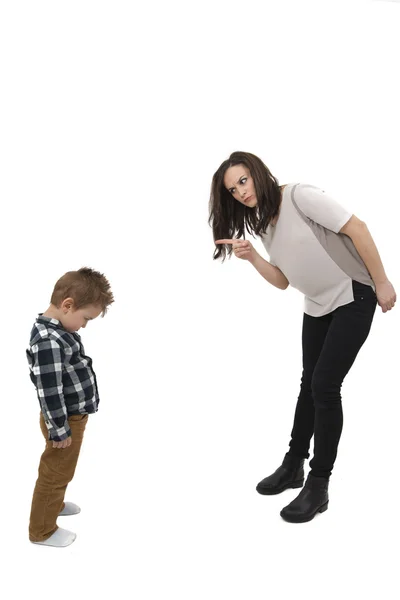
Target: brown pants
{"type": "Point", "coordinates": [56, 470]}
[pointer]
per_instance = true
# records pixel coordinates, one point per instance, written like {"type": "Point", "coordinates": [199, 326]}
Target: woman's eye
{"type": "Point", "coordinates": [243, 180]}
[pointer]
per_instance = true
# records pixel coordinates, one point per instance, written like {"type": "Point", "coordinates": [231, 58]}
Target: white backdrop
{"type": "Point", "coordinates": [114, 117]}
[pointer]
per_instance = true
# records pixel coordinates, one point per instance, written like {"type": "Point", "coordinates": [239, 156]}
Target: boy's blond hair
{"type": "Point", "coordinates": [85, 286]}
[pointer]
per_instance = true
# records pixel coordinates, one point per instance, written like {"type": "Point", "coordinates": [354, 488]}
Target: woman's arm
{"type": "Point", "coordinates": [245, 250]}
{"type": "Point", "coordinates": [272, 274]}
{"type": "Point", "coordinates": [362, 239]}
{"type": "Point", "coordinates": [358, 232]}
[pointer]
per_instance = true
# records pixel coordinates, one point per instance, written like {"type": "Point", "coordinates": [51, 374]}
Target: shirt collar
{"type": "Point", "coordinates": [49, 321]}
{"type": "Point", "coordinates": [56, 323]}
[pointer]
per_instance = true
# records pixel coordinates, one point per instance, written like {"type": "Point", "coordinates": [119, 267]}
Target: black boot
{"type": "Point", "coordinates": [289, 475]}
{"type": "Point", "coordinates": [313, 498]}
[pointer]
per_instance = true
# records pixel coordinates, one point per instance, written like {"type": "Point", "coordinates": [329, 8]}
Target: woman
{"type": "Point", "coordinates": [318, 247]}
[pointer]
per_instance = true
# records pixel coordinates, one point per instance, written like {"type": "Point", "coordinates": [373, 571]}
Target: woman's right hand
{"type": "Point", "coordinates": [241, 248]}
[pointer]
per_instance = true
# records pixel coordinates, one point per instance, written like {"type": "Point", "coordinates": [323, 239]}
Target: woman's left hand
{"type": "Point", "coordinates": [386, 295]}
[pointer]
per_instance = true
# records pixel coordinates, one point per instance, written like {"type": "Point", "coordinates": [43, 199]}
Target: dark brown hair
{"type": "Point", "coordinates": [230, 218]}
{"type": "Point", "coordinates": [85, 286]}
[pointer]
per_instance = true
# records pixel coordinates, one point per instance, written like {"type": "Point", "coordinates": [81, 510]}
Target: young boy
{"type": "Point", "coordinates": [67, 392]}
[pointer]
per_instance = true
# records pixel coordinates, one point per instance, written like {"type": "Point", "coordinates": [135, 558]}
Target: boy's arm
{"type": "Point", "coordinates": [47, 363]}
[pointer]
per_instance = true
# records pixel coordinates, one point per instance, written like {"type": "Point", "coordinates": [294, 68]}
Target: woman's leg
{"type": "Point", "coordinates": [291, 473]}
{"type": "Point", "coordinates": [347, 332]}
{"type": "Point", "coordinates": [314, 333]}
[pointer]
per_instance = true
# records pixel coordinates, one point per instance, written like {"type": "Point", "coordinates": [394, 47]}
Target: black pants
{"type": "Point", "coordinates": [330, 346]}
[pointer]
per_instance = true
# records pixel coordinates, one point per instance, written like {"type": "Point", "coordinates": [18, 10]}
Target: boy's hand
{"type": "Point", "coordinates": [63, 443]}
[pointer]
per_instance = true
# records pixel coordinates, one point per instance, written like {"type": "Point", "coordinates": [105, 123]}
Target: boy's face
{"type": "Point", "coordinates": [73, 319]}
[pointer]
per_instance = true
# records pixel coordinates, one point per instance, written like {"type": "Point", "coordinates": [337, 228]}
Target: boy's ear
{"type": "Point", "coordinates": [67, 304]}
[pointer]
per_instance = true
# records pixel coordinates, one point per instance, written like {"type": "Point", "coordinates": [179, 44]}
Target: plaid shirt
{"type": "Point", "coordinates": [63, 376]}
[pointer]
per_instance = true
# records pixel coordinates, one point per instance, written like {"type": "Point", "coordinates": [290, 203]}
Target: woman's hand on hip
{"type": "Point", "coordinates": [385, 295]}
{"type": "Point", "coordinates": [241, 248]}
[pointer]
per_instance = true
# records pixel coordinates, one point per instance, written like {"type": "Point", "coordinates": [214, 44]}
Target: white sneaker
{"type": "Point", "coordinates": [59, 539]}
{"type": "Point", "coordinates": [69, 509]}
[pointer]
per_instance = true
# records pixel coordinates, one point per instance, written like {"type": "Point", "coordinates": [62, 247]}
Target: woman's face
{"type": "Point", "coordinates": [240, 184]}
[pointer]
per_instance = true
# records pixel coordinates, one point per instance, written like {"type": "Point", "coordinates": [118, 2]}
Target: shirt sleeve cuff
{"type": "Point", "coordinates": [343, 222]}
{"type": "Point", "coordinates": [59, 434]}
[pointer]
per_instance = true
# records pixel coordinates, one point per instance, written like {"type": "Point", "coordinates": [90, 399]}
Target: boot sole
{"type": "Point", "coordinates": [321, 509]}
{"type": "Point", "coordinates": [273, 491]}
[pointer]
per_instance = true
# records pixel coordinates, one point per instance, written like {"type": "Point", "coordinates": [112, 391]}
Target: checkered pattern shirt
{"type": "Point", "coordinates": [62, 374]}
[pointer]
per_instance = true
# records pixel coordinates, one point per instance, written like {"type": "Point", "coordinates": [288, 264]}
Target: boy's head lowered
{"type": "Point", "coordinates": [79, 297]}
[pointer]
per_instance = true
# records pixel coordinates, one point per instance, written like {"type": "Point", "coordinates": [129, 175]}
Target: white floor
{"type": "Point", "coordinates": [186, 522]}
